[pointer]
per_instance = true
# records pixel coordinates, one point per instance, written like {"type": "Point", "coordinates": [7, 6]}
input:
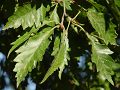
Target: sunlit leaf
{"type": "Point", "coordinates": [60, 59]}
{"type": "Point", "coordinates": [66, 57]}
{"type": "Point", "coordinates": [56, 45]}
{"type": "Point", "coordinates": [21, 39]}
{"type": "Point", "coordinates": [104, 62]}
{"type": "Point", "coordinates": [97, 20]}
{"type": "Point", "coordinates": [24, 16]}
{"type": "Point", "coordinates": [67, 4]}
{"type": "Point", "coordinates": [40, 15]}
{"type": "Point", "coordinates": [54, 16]}
{"type": "Point", "coordinates": [110, 36]}
{"type": "Point", "coordinates": [31, 53]}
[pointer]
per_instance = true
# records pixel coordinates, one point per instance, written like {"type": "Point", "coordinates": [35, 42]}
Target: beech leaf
{"type": "Point", "coordinates": [60, 59]}
{"type": "Point", "coordinates": [31, 53]}
{"type": "Point", "coordinates": [56, 46]}
{"type": "Point", "coordinates": [111, 35]}
{"type": "Point", "coordinates": [24, 15]}
{"type": "Point", "coordinates": [21, 40]}
{"type": "Point", "coordinates": [97, 20]}
{"type": "Point", "coordinates": [104, 62]}
{"type": "Point", "coordinates": [54, 16]}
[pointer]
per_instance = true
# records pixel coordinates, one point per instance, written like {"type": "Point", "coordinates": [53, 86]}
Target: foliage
{"type": "Point", "coordinates": [63, 30]}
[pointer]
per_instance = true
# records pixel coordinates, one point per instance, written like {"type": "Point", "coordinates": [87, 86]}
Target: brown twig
{"type": "Point", "coordinates": [63, 16]}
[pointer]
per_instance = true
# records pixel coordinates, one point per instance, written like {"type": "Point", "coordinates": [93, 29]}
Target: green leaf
{"type": "Point", "coordinates": [111, 35]}
{"type": "Point", "coordinates": [66, 57]}
{"type": "Point", "coordinates": [104, 62]}
{"type": "Point", "coordinates": [21, 39]}
{"type": "Point", "coordinates": [31, 53]}
{"type": "Point", "coordinates": [60, 59]}
{"type": "Point", "coordinates": [75, 28]}
{"type": "Point", "coordinates": [97, 20]}
{"type": "Point", "coordinates": [40, 15]}
{"type": "Point", "coordinates": [96, 5]}
{"type": "Point", "coordinates": [24, 15]}
{"type": "Point", "coordinates": [67, 4]}
{"type": "Point", "coordinates": [117, 2]}
{"type": "Point", "coordinates": [56, 46]}
{"type": "Point", "coordinates": [54, 16]}
{"type": "Point", "coordinates": [102, 49]}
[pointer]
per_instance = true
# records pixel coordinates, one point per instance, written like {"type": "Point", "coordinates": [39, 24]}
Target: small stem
{"type": "Point", "coordinates": [62, 24]}
{"type": "Point", "coordinates": [80, 27]}
{"type": "Point", "coordinates": [62, 20]}
{"type": "Point", "coordinates": [83, 8]}
{"type": "Point", "coordinates": [57, 26]}
{"type": "Point", "coordinates": [68, 26]}
{"type": "Point", "coordinates": [97, 37]}
{"type": "Point", "coordinates": [64, 8]}
{"type": "Point", "coordinates": [76, 15]}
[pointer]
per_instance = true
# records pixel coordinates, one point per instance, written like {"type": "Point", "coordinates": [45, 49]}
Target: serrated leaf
{"type": "Point", "coordinates": [56, 46]}
{"type": "Point", "coordinates": [103, 63]}
{"type": "Point", "coordinates": [26, 16]}
{"type": "Point", "coordinates": [60, 59]}
{"type": "Point", "coordinates": [66, 57]}
{"type": "Point", "coordinates": [40, 15]}
{"type": "Point", "coordinates": [102, 49]}
{"type": "Point", "coordinates": [100, 56]}
{"type": "Point", "coordinates": [97, 20]}
{"type": "Point", "coordinates": [31, 53]}
{"type": "Point", "coordinates": [54, 16]}
{"type": "Point", "coordinates": [21, 39]}
{"type": "Point", "coordinates": [67, 4]}
{"type": "Point", "coordinates": [111, 35]}
{"type": "Point", "coordinates": [23, 16]}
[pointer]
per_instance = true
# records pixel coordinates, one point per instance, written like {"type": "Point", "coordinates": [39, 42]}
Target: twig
{"type": "Point", "coordinates": [63, 16]}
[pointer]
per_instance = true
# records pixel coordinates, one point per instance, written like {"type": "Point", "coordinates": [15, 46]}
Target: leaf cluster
{"type": "Point", "coordinates": [63, 28]}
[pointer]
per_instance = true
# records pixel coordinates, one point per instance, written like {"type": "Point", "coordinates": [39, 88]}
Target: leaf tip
{"type": "Point", "coordinates": [42, 81]}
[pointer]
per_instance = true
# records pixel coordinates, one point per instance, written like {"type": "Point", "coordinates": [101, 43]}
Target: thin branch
{"type": "Point", "coordinates": [76, 15]}
{"type": "Point", "coordinates": [63, 16]}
